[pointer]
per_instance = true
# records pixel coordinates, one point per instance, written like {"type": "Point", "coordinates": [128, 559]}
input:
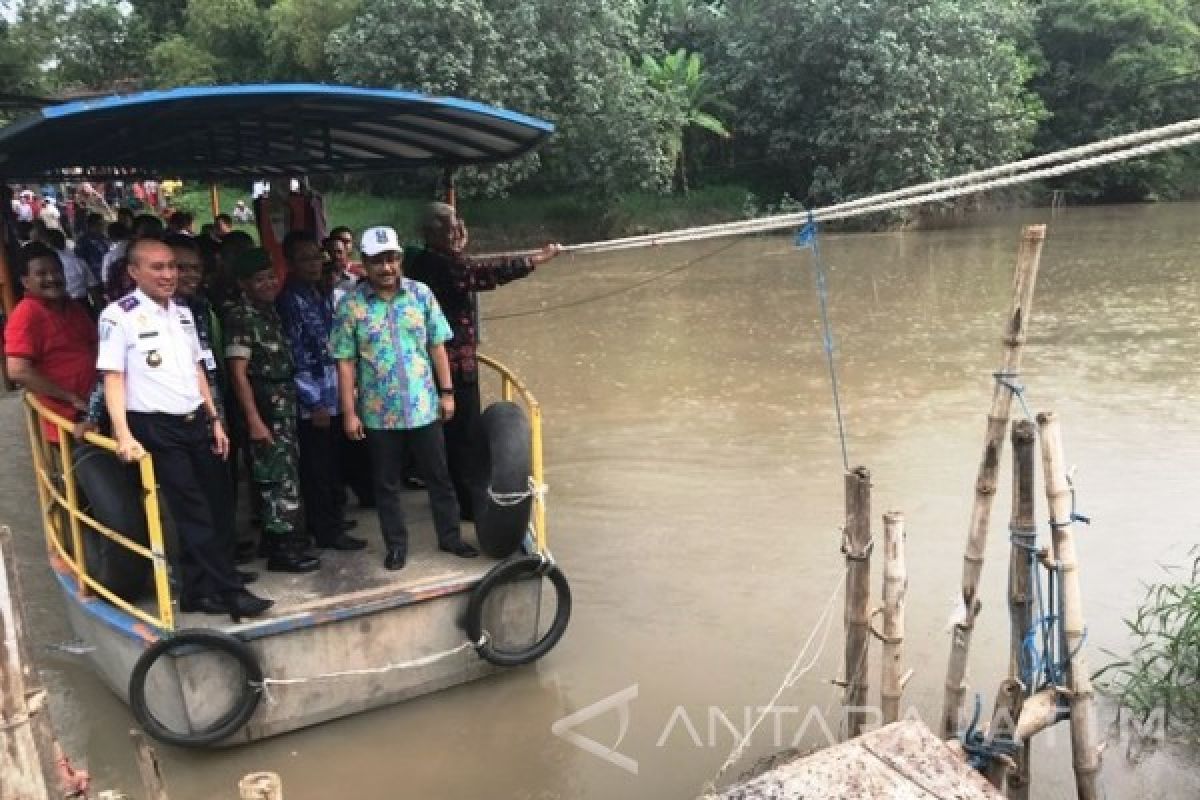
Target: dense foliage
{"type": "Point", "coordinates": [816, 99]}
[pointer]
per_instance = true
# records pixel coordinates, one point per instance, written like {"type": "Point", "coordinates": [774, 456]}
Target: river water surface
{"type": "Point", "coordinates": [696, 495]}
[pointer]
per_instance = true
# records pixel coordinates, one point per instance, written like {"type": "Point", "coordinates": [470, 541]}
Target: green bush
{"type": "Point", "coordinates": [1162, 674]}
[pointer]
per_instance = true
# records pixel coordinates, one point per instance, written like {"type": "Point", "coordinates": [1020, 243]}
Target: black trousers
{"type": "Point", "coordinates": [460, 445]}
{"type": "Point", "coordinates": [194, 485]}
{"type": "Point", "coordinates": [356, 470]}
{"type": "Point", "coordinates": [428, 448]}
{"type": "Point", "coordinates": [321, 478]}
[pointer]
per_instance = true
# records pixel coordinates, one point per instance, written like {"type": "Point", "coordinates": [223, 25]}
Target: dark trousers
{"type": "Point", "coordinates": [428, 448]}
{"type": "Point", "coordinates": [193, 481]}
{"type": "Point", "coordinates": [460, 445]}
{"type": "Point", "coordinates": [321, 479]}
{"type": "Point", "coordinates": [356, 470]}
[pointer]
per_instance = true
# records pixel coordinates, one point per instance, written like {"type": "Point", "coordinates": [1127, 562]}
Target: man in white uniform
{"type": "Point", "coordinates": [159, 401]}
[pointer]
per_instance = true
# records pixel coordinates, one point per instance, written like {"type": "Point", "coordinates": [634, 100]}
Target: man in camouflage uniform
{"type": "Point", "coordinates": [261, 371]}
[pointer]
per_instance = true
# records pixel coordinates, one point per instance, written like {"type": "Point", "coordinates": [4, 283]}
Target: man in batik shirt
{"type": "Point", "coordinates": [389, 340]}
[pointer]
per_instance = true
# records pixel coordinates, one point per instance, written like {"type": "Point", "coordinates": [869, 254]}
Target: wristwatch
{"type": "Point", "coordinates": [445, 391]}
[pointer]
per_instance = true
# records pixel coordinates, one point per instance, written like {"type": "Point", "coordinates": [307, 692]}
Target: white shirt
{"type": "Point", "coordinates": [79, 276]}
{"type": "Point", "coordinates": [49, 215]}
{"type": "Point", "coordinates": [114, 254]}
{"type": "Point", "coordinates": [157, 350]}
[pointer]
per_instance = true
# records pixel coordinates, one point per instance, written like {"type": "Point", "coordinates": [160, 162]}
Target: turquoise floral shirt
{"type": "Point", "coordinates": [389, 341]}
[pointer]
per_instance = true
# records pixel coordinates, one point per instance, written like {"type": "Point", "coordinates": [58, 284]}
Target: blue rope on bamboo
{"type": "Point", "coordinates": [982, 749]}
{"type": "Point", "coordinates": [806, 238]}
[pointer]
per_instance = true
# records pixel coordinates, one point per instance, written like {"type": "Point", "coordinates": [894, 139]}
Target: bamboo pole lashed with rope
{"type": "Point", "coordinates": [1015, 327]}
{"type": "Point", "coordinates": [857, 545]}
{"type": "Point", "coordinates": [1023, 530]}
{"type": "Point", "coordinates": [895, 589]}
{"type": "Point", "coordinates": [1085, 740]}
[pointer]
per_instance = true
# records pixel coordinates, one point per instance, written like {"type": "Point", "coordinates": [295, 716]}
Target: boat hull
{"type": "Point", "coordinates": [319, 666]}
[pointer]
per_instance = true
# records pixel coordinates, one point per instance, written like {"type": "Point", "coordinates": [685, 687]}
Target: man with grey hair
{"type": "Point", "coordinates": [454, 279]}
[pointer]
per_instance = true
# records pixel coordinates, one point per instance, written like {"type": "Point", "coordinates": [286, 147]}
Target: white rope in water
{"type": "Point", "coordinates": [1122, 148]}
{"type": "Point", "coordinates": [266, 683]}
{"type": "Point", "coordinates": [794, 674]}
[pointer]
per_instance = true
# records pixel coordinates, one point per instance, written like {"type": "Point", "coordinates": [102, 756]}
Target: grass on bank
{"type": "Point", "coordinates": [524, 221]}
{"type": "Point", "coordinates": [1162, 674]}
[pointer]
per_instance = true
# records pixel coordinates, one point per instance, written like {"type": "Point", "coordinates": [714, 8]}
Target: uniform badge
{"type": "Point", "coordinates": [128, 302]}
{"type": "Point", "coordinates": [153, 359]}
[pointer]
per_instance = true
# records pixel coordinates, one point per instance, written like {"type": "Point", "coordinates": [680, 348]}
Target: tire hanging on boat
{"type": "Point", "coordinates": [229, 723]}
{"type": "Point", "coordinates": [114, 498]}
{"type": "Point", "coordinates": [515, 569]}
{"type": "Point", "coordinates": [504, 460]}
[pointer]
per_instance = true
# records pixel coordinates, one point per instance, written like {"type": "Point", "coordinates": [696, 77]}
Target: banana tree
{"type": "Point", "coordinates": [681, 82]}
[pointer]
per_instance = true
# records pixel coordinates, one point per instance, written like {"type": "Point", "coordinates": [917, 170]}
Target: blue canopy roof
{"type": "Point", "coordinates": [271, 129]}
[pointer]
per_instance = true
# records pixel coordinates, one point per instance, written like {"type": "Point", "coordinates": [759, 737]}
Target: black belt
{"type": "Point", "coordinates": [191, 416]}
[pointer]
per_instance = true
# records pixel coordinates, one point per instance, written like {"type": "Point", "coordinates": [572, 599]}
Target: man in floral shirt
{"type": "Point", "coordinates": [394, 383]}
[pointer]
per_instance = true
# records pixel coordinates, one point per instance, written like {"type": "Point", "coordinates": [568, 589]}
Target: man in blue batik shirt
{"type": "Point", "coordinates": [307, 315]}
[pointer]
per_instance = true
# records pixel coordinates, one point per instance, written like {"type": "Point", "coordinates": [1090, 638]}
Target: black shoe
{"type": "Point", "coordinates": [462, 550]}
{"type": "Point", "coordinates": [292, 559]}
{"type": "Point", "coordinates": [236, 604]}
{"type": "Point", "coordinates": [244, 553]}
{"type": "Point", "coordinates": [343, 542]}
{"type": "Point", "coordinates": [414, 483]}
{"type": "Point", "coordinates": [349, 524]}
{"type": "Point", "coordinates": [246, 576]}
{"type": "Point", "coordinates": [394, 559]}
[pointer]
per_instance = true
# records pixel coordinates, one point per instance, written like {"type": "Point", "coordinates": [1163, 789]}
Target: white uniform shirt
{"type": "Point", "coordinates": [79, 276]}
{"type": "Point", "coordinates": [157, 349]}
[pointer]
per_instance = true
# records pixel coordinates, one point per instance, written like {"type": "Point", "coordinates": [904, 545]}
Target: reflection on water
{"type": "Point", "coordinates": [696, 497]}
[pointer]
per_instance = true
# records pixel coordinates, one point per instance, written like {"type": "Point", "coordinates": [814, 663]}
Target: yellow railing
{"type": "Point", "coordinates": [67, 499]}
{"type": "Point", "coordinates": [511, 388]}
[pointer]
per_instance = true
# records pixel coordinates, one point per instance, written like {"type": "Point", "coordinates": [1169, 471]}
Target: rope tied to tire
{"type": "Point", "coordinates": [535, 490]}
{"type": "Point", "coordinates": [518, 568]}
{"type": "Point", "coordinates": [265, 684]}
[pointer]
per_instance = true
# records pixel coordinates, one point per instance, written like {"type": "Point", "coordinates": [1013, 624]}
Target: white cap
{"type": "Point", "coordinates": [379, 239]}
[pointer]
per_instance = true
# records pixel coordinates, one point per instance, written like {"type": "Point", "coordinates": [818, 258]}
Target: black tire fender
{"type": "Point", "coordinates": [232, 721]}
{"type": "Point", "coordinates": [515, 569]}
{"type": "Point", "coordinates": [505, 462]}
{"type": "Point", "coordinates": [114, 498]}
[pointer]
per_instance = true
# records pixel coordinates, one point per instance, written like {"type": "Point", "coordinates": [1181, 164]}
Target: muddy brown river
{"type": "Point", "coordinates": [696, 495]}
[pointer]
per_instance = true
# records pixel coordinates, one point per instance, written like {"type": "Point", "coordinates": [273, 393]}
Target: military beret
{"type": "Point", "coordinates": [250, 262]}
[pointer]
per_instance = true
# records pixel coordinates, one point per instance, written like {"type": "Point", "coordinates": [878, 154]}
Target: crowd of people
{"type": "Point", "coordinates": [307, 377]}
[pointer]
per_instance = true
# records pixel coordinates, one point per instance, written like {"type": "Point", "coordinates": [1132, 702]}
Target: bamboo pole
{"type": "Point", "coordinates": [27, 764]}
{"type": "Point", "coordinates": [1039, 712]}
{"type": "Point", "coordinates": [1028, 258]}
{"type": "Point", "coordinates": [148, 767]}
{"type": "Point", "coordinates": [895, 588]}
{"type": "Point", "coordinates": [261, 786]}
{"type": "Point", "coordinates": [1007, 710]}
{"type": "Point", "coordinates": [1085, 745]}
{"type": "Point", "coordinates": [856, 544]}
{"type": "Point", "coordinates": [1023, 529]}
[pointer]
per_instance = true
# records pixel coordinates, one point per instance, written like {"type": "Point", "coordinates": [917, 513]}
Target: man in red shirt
{"type": "Point", "coordinates": [50, 341]}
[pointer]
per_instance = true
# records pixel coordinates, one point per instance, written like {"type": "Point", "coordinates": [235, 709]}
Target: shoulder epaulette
{"type": "Point", "coordinates": [128, 303]}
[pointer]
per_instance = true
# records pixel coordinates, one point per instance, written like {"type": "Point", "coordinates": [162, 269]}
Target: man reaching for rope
{"type": "Point", "coordinates": [454, 279]}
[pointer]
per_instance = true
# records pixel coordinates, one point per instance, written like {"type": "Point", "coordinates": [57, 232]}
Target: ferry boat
{"type": "Point", "coordinates": [351, 636]}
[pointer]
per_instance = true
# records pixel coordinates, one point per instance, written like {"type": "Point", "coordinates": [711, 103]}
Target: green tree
{"type": "Point", "coordinates": [299, 29]}
{"type": "Point", "coordinates": [100, 46]}
{"type": "Point", "coordinates": [222, 41]}
{"type": "Point", "coordinates": [844, 98]}
{"type": "Point", "coordinates": [565, 61]}
{"type": "Point", "coordinates": [687, 92]}
{"type": "Point", "coordinates": [1117, 66]}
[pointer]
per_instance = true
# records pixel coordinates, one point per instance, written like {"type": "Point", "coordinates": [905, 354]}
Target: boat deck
{"type": "Point", "coordinates": [351, 583]}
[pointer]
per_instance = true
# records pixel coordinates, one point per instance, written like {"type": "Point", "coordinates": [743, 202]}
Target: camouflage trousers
{"type": "Point", "coordinates": [275, 476]}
